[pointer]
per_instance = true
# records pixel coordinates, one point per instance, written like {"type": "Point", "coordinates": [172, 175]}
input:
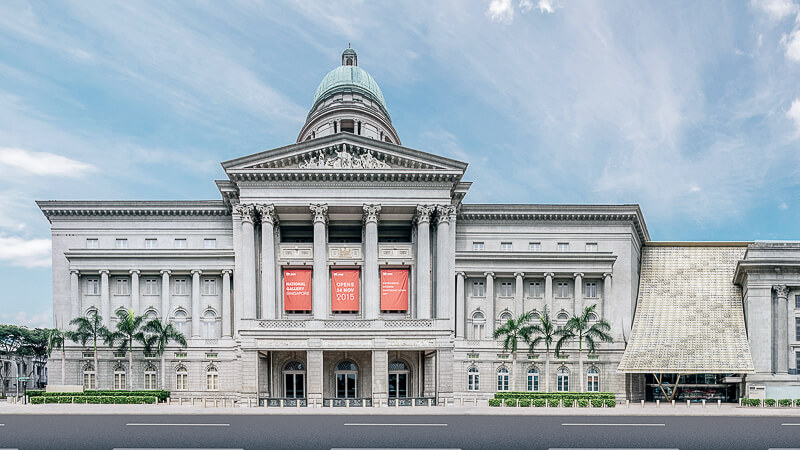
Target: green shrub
{"type": "Point", "coordinates": [149, 400]}
{"type": "Point", "coordinates": [79, 399]}
{"type": "Point", "coordinates": [539, 402]}
{"type": "Point", "coordinates": [524, 402]}
{"type": "Point", "coordinates": [64, 399]}
{"type": "Point", "coordinates": [769, 402]}
{"type": "Point", "coordinates": [51, 399]}
{"type": "Point", "coordinates": [511, 402]}
{"type": "Point", "coordinates": [495, 402]}
{"type": "Point", "coordinates": [785, 402]}
{"type": "Point", "coordinates": [568, 403]}
{"type": "Point", "coordinates": [610, 402]}
{"type": "Point", "coordinates": [797, 403]}
{"type": "Point", "coordinates": [34, 392]}
{"type": "Point", "coordinates": [597, 402]}
{"type": "Point", "coordinates": [94, 400]}
{"type": "Point", "coordinates": [583, 403]}
{"type": "Point", "coordinates": [751, 402]}
{"type": "Point", "coordinates": [37, 400]}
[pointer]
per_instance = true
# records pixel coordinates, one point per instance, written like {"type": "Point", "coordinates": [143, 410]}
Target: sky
{"type": "Point", "coordinates": [690, 109]}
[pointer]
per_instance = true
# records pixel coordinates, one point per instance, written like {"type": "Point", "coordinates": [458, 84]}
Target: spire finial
{"type": "Point", "coordinates": [348, 45]}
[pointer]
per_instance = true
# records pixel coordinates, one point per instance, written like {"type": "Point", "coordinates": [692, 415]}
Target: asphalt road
{"type": "Point", "coordinates": [419, 431]}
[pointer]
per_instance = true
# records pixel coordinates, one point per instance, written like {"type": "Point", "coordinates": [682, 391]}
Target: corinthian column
{"type": "Point", "coordinates": [423, 219]}
{"type": "Point", "coordinates": [490, 303]}
{"type": "Point", "coordinates": [248, 261]}
{"type": "Point", "coordinates": [519, 294]}
{"type": "Point", "coordinates": [443, 262]}
{"type": "Point", "coordinates": [548, 291]}
{"type": "Point", "coordinates": [135, 291]}
{"type": "Point", "coordinates": [74, 298]}
{"type": "Point", "coordinates": [196, 302]}
{"type": "Point", "coordinates": [319, 290]}
{"type": "Point", "coordinates": [165, 294]}
{"type": "Point", "coordinates": [577, 298]}
{"type": "Point", "coordinates": [105, 302]}
{"type": "Point", "coordinates": [268, 222]}
{"type": "Point", "coordinates": [782, 333]}
{"type": "Point", "coordinates": [371, 278]}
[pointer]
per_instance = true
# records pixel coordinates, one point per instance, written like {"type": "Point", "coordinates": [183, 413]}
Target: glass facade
{"type": "Point", "coordinates": [694, 387]}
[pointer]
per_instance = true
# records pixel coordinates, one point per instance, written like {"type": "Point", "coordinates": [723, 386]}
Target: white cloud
{"type": "Point", "coordinates": [777, 9]}
{"type": "Point", "coordinates": [546, 6]}
{"type": "Point", "coordinates": [41, 319]}
{"type": "Point", "coordinates": [17, 251]}
{"type": "Point", "coordinates": [792, 44]}
{"type": "Point", "coordinates": [794, 114]}
{"type": "Point", "coordinates": [500, 11]}
{"type": "Point", "coordinates": [42, 163]}
{"type": "Point", "coordinates": [525, 5]}
{"type": "Point", "coordinates": [783, 206]}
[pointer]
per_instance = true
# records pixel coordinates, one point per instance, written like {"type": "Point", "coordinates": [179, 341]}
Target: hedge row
{"type": "Point", "coordinates": [556, 395]}
{"type": "Point", "coordinates": [540, 402]}
{"type": "Point", "coordinates": [96, 399]}
{"type": "Point", "coordinates": [771, 402]}
{"type": "Point", "coordinates": [160, 394]}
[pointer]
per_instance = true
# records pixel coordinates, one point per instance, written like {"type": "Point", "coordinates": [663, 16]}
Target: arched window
{"type": "Point", "coordinates": [294, 378]}
{"type": "Point", "coordinates": [181, 379]}
{"type": "Point", "coordinates": [505, 316]}
{"type": "Point", "coordinates": [478, 324]}
{"type": "Point", "coordinates": [562, 378]}
{"type": "Point", "coordinates": [473, 379]}
{"type": "Point", "coordinates": [91, 312]}
{"type": "Point", "coordinates": [179, 322]}
{"type": "Point", "coordinates": [209, 325]}
{"type": "Point", "coordinates": [398, 379]}
{"type": "Point", "coordinates": [119, 377]}
{"type": "Point", "coordinates": [150, 314]}
{"type": "Point", "coordinates": [346, 380]}
{"type": "Point", "coordinates": [150, 377]}
{"type": "Point", "coordinates": [212, 379]}
{"type": "Point", "coordinates": [592, 317]}
{"type": "Point", "coordinates": [592, 380]}
{"type": "Point", "coordinates": [561, 319]}
{"type": "Point", "coordinates": [89, 377]}
{"type": "Point", "coordinates": [533, 379]}
{"type": "Point", "coordinates": [502, 379]}
{"type": "Point", "coordinates": [115, 317]}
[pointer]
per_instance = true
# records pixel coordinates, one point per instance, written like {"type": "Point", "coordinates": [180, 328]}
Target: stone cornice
{"type": "Point", "coordinates": [535, 256]}
{"type": "Point", "coordinates": [69, 208]}
{"type": "Point", "coordinates": [343, 175]}
{"type": "Point", "coordinates": [743, 267]}
{"type": "Point", "coordinates": [74, 254]}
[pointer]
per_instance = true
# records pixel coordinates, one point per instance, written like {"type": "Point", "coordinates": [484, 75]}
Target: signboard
{"type": "Point", "coordinates": [394, 289]}
{"type": "Point", "coordinates": [297, 289]}
{"type": "Point", "coordinates": [23, 378]}
{"type": "Point", "coordinates": [345, 289]}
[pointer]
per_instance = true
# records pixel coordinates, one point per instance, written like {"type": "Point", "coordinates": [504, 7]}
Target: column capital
{"type": "Point", "coordinates": [74, 271]}
{"type": "Point", "coordinates": [549, 274]}
{"type": "Point", "coordinates": [423, 214]}
{"type": "Point", "coordinates": [372, 213]}
{"type": "Point", "coordinates": [577, 274]}
{"type": "Point", "coordinates": [196, 272]}
{"type": "Point", "coordinates": [226, 272]}
{"type": "Point", "coordinates": [267, 213]}
{"type": "Point", "coordinates": [320, 212]}
{"type": "Point", "coordinates": [461, 274]}
{"type": "Point", "coordinates": [103, 271]}
{"type": "Point", "coordinates": [607, 274]}
{"type": "Point", "coordinates": [165, 272]}
{"type": "Point", "coordinates": [246, 211]}
{"type": "Point", "coordinates": [443, 213]}
{"type": "Point", "coordinates": [134, 271]}
{"type": "Point", "coordinates": [488, 274]}
{"type": "Point", "coordinates": [781, 290]}
{"type": "Point", "coordinates": [519, 274]}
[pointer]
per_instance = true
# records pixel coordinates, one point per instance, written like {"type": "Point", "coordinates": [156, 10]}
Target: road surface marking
{"type": "Point", "coordinates": [161, 448]}
{"type": "Point", "coordinates": [613, 425]}
{"type": "Point", "coordinates": [392, 448]}
{"type": "Point", "coordinates": [791, 424]}
{"type": "Point", "coordinates": [178, 424]}
{"type": "Point", "coordinates": [606, 448]}
{"type": "Point", "coordinates": [395, 424]}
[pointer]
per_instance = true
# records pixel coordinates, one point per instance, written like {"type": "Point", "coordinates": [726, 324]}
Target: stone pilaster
{"type": "Point", "coordinates": [782, 325]}
{"type": "Point", "coordinates": [548, 291]}
{"type": "Point", "coordinates": [226, 303]}
{"type": "Point", "coordinates": [135, 298]}
{"type": "Point", "coordinates": [247, 213]}
{"type": "Point", "coordinates": [461, 304]}
{"type": "Point", "coordinates": [268, 297]}
{"type": "Point", "coordinates": [371, 276]}
{"type": "Point", "coordinates": [607, 283]}
{"type": "Point", "coordinates": [74, 297]}
{"type": "Point", "coordinates": [105, 302]}
{"type": "Point", "coordinates": [314, 369]}
{"type": "Point", "coordinates": [423, 219]}
{"type": "Point", "coordinates": [490, 307]}
{"type": "Point", "coordinates": [519, 294]}
{"type": "Point", "coordinates": [380, 374]}
{"type": "Point", "coordinates": [443, 297]}
{"type": "Point", "coordinates": [577, 298]}
{"type": "Point", "coordinates": [319, 290]}
{"type": "Point", "coordinates": [165, 292]}
{"type": "Point", "coordinates": [196, 303]}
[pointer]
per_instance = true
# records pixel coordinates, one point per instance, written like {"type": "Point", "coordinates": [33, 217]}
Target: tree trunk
{"type": "Point", "coordinates": [96, 369]}
{"type": "Point", "coordinates": [63, 366]}
{"type": "Point", "coordinates": [130, 366]}
{"type": "Point", "coordinates": [547, 370]}
{"type": "Point", "coordinates": [580, 368]}
{"type": "Point", "coordinates": [514, 371]}
{"type": "Point", "coordinates": [163, 372]}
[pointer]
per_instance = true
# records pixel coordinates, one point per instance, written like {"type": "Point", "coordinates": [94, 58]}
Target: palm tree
{"type": "Point", "coordinates": [581, 329]}
{"type": "Point", "coordinates": [159, 336]}
{"type": "Point", "coordinates": [56, 340]}
{"type": "Point", "coordinates": [545, 331]}
{"type": "Point", "coordinates": [88, 329]}
{"type": "Point", "coordinates": [513, 332]}
{"type": "Point", "coordinates": [129, 329]}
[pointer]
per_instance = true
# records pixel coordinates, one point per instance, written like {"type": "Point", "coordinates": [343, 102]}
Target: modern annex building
{"type": "Point", "coordinates": [346, 267]}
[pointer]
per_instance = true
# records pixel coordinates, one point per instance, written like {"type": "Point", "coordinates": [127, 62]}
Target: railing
{"type": "Point", "coordinates": [412, 401]}
{"type": "Point", "coordinates": [277, 402]}
{"type": "Point", "coordinates": [346, 402]}
{"type": "Point", "coordinates": [357, 324]}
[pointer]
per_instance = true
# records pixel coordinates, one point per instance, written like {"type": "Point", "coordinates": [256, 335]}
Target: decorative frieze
{"type": "Point", "coordinates": [344, 157]}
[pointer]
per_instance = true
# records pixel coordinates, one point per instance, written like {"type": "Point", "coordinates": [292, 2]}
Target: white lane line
{"type": "Point", "coordinates": [613, 425]}
{"type": "Point", "coordinates": [392, 448]}
{"type": "Point", "coordinates": [177, 424]}
{"type": "Point", "coordinates": [791, 424]}
{"type": "Point", "coordinates": [163, 448]}
{"type": "Point", "coordinates": [606, 448]}
{"type": "Point", "coordinates": [395, 424]}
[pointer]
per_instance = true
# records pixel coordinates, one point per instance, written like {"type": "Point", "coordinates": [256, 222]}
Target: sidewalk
{"type": "Point", "coordinates": [634, 410]}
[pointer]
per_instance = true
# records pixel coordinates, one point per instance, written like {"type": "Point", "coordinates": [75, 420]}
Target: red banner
{"type": "Point", "coordinates": [297, 289]}
{"type": "Point", "coordinates": [344, 289]}
{"type": "Point", "coordinates": [394, 289]}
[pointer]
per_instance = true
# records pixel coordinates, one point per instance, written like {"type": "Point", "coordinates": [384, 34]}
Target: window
{"type": "Point", "coordinates": [91, 312]}
{"type": "Point", "coordinates": [180, 321]}
{"type": "Point", "coordinates": [592, 317]}
{"type": "Point", "coordinates": [533, 379]}
{"type": "Point", "coordinates": [150, 314]}
{"type": "Point", "coordinates": [561, 320]}
{"type": "Point", "coordinates": [89, 377]}
{"type": "Point", "coordinates": [121, 243]}
{"type": "Point", "coordinates": [181, 243]}
{"type": "Point", "coordinates": [294, 376]}
{"type": "Point", "coordinates": [92, 243]}
{"type": "Point", "coordinates": [797, 328]}
{"type": "Point", "coordinates": [151, 286]}
{"type": "Point", "coordinates": [92, 286]}
{"type": "Point", "coordinates": [592, 380]}
{"type": "Point", "coordinates": [591, 289]}
{"type": "Point", "coordinates": [505, 289]}
{"type": "Point", "coordinates": [209, 286]}
{"type": "Point", "coordinates": [478, 323]}
{"type": "Point", "coordinates": [506, 246]}
{"type": "Point", "coordinates": [562, 289]}
{"type": "Point", "coordinates": [348, 126]}
{"type": "Point", "coordinates": [180, 286]}
{"type": "Point", "coordinates": [209, 243]}
{"type": "Point", "coordinates": [473, 379]}
{"type": "Point", "coordinates": [535, 289]}
{"type": "Point", "coordinates": [563, 246]}
{"type": "Point", "coordinates": [119, 378]}
{"type": "Point", "coordinates": [181, 379]}
{"type": "Point", "coordinates": [150, 243]}
{"type": "Point", "coordinates": [123, 286]}
{"type": "Point", "coordinates": [797, 301]}
{"type": "Point", "coordinates": [505, 316]}
{"type": "Point", "coordinates": [502, 379]}
{"type": "Point", "coordinates": [209, 325]}
{"type": "Point", "coordinates": [535, 246]}
{"type": "Point", "coordinates": [346, 375]}
{"type": "Point", "coordinates": [562, 379]}
{"type": "Point", "coordinates": [478, 289]}
{"type": "Point", "coordinates": [150, 378]}
{"type": "Point", "coordinates": [398, 379]}
{"type": "Point", "coordinates": [797, 360]}
{"type": "Point", "coordinates": [212, 379]}
{"type": "Point", "coordinates": [591, 247]}
{"type": "Point", "coordinates": [477, 246]}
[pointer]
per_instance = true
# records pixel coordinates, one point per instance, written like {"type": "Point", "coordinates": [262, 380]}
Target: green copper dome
{"type": "Point", "coordinates": [349, 75]}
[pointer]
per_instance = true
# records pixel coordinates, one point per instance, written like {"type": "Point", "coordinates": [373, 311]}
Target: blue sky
{"type": "Point", "coordinates": [691, 109]}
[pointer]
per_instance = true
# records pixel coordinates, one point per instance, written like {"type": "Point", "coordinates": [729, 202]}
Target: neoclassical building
{"type": "Point", "coordinates": [347, 268]}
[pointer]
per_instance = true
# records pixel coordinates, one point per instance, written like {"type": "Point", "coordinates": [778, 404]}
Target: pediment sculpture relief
{"type": "Point", "coordinates": [343, 159]}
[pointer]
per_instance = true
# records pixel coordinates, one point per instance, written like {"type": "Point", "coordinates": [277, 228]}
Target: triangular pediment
{"type": "Point", "coordinates": [344, 153]}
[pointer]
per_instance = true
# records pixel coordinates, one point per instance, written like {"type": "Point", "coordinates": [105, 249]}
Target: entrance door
{"type": "Point", "coordinates": [294, 380]}
{"type": "Point", "coordinates": [398, 379]}
{"type": "Point", "coordinates": [346, 380]}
